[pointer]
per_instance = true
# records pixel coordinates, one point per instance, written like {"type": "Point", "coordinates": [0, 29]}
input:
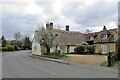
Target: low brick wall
{"type": "Point", "coordinates": [87, 59]}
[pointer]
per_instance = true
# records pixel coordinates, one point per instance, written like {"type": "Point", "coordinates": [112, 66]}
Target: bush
{"type": "Point", "coordinates": [85, 49]}
{"type": "Point", "coordinates": [10, 48]}
{"type": "Point", "coordinates": [90, 49]}
{"type": "Point", "coordinates": [56, 54]}
{"type": "Point", "coordinates": [16, 47]}
{"type": "Point", "coordinates": [4, 49]}
{"type": "Point", "coordinates": [79, 50]}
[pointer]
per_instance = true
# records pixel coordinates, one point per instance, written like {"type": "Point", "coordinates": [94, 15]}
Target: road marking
{"type": "Point", "coordinates": [45, 70]}
{"type": "Point", "coordinates": [25, 62]}
{"type": "Point", "coordinates": [40, 68]}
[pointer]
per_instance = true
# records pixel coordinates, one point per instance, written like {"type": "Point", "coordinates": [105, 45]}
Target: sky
{"type": "Point", "coordinates": [25, 16]}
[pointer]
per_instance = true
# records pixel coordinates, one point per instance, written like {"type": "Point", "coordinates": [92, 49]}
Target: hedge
{"type": "Point", "coordinates": [8, 48]}
{"type": "Point", "coordinates": [85, 49]}
{"type": "Point", "coordinates": [79, 50]}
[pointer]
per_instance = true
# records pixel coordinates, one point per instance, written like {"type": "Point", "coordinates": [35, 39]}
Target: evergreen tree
{"type": "Point", "coordinates": [27, 44]}
{"type": "Point", "coordinates": [4, 42]}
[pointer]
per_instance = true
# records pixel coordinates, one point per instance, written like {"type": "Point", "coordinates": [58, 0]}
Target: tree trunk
{"type": "Point", "coordinates": [48, 50]}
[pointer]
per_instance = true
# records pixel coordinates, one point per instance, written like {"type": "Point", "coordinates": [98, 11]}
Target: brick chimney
{"type": "Point", "coordinates": [104, 28]}
{"type": "Point", "coordinates": [67, 27]}
{"type": "Point", "coordinates": [51, 25]}
{"type": "Point", "coordinates": [47, 26]}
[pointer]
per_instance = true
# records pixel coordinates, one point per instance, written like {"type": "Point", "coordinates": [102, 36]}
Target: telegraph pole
{"type": "Point", "coordinates": [118, 42]}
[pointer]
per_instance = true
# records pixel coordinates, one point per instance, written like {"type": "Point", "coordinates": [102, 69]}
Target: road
{"type": "Point", "coordinates": [19, 65]}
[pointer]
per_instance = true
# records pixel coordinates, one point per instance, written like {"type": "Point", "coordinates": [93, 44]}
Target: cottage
{"type": "Point", "coordinates": [104, 40]}
{"type": "Point", "coordinates": [68, 40]}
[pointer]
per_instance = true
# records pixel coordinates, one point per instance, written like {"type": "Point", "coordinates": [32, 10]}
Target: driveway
{"type": "Point", "coordinates": [19, 65]}
{"type": "Point", "coordinates": [87, 59]}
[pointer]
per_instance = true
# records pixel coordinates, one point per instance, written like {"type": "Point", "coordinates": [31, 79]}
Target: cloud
{"type": "Point", "coordinates": [25, 16]}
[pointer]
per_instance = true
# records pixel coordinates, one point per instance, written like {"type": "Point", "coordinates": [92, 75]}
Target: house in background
{"type": "Point", "coordinates": [104, 40]}
{"type": "Point", "coordinates": [68, 40]}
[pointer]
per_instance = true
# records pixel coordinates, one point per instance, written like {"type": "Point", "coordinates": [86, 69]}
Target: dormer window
{"type": "Point", "coordinates": [91, 37]}
{"type": "Point", "coordinates": [104, 36]}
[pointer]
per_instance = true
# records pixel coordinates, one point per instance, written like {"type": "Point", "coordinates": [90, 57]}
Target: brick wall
{"type": "Point", "coordinates": [110, 47]}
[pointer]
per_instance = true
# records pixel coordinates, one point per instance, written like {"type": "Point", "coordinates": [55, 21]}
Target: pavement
{"type": "Point", "coordinates": [20, 65]}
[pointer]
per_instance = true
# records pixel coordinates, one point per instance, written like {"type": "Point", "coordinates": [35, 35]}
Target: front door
{"type": "Point", "coordinates": [103, 49]}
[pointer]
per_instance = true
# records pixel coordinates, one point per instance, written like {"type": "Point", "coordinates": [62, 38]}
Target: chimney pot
{"type": "Point", "coordinates": [67, 27]}
{"type": "Point", "coordinates": [104, 28]}
{"type": "Point", "coordinates": [47, 25]}
{"type": "Point", "coordinates": [51, 25]}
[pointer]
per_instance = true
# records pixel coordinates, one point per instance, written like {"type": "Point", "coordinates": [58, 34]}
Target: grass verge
{"type": "Point", "coordinates": [54, 57]}
{"type": "Point", "coordinates": [105, 63]}
{"type": "Point", "coordinates": [7, 51]}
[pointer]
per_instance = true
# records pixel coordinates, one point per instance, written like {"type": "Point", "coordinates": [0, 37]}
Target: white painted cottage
{"type": "Point", "coordinates": [68, 41]}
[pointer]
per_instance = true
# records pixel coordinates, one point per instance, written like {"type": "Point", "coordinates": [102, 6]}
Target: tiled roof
{"type": "Point", "coordinates": [111, 38]}
{"type": "Point", "coordinates": [111, 32]}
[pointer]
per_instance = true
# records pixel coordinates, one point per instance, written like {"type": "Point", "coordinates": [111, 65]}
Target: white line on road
{"type": "Point", "coordinates": [40, 68]}
{"type": "Point", "coordinates": [45, 70]}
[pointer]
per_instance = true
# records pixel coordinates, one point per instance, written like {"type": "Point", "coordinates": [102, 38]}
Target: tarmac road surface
{"type": "Point", "coordinates": [20, 65]}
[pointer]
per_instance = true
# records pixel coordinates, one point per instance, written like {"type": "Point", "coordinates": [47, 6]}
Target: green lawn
{"type": "Point", "coordinates": [54, 57]}
{"type": "Point", "coordinates": [7, 51]}
{"type": "Point", "coordinates": [105, 63]}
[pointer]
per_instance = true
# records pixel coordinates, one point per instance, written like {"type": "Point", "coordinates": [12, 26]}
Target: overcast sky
{"type": "Point", "coordinates": [25, 16]}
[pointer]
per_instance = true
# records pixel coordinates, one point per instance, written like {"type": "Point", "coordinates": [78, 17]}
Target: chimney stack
{"type": "Point", "coordinates": [51, 25]}
{"type": "Point", "coordinates": [67, 27]}
{"type": "Point", "coordinates": [104, 28]}
{"type": "Point", "coordinates": [47, 26]}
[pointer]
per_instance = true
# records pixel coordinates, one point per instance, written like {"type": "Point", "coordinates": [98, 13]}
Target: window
{"type": "Point", "coordinates": [91, 37]}
{"type": "Point", "coordinates": [104, 36]}
{"type": "Point", "coordinates": [103, 49]}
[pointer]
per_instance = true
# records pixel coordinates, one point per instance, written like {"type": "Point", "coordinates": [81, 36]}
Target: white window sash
{"type": "Point", "coordinates": [104, 49]}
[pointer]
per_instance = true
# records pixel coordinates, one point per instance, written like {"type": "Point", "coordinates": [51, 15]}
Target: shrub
{"type": "Point", "coordinates": [85, 49]}
{"type": "Point", "coordinates": [56, 54]}
{"type": "Point", "coordinates": [10, 48]}
{"type": "Point", "coordinates": [4, 48]}
{"type": "Point", "coordinates": [79, 50]}
{"type": "Point", "coordinates": [90, 49]}
{"type": "Point", "coordinates": [16, 47]}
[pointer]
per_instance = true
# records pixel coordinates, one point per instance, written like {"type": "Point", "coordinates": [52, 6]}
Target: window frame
{"type": "Point", "coordinates": [103, 48]}
{"type": "Point", "coordinates": [92, 38]}
{"type": "Point", "coordinates": [104, 36]}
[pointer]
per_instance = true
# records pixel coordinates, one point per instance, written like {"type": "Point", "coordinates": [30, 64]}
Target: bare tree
{"type": "Point", "coordinates": [17, 35]}
{"type": "Point", "coordinates": [47, 38]}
